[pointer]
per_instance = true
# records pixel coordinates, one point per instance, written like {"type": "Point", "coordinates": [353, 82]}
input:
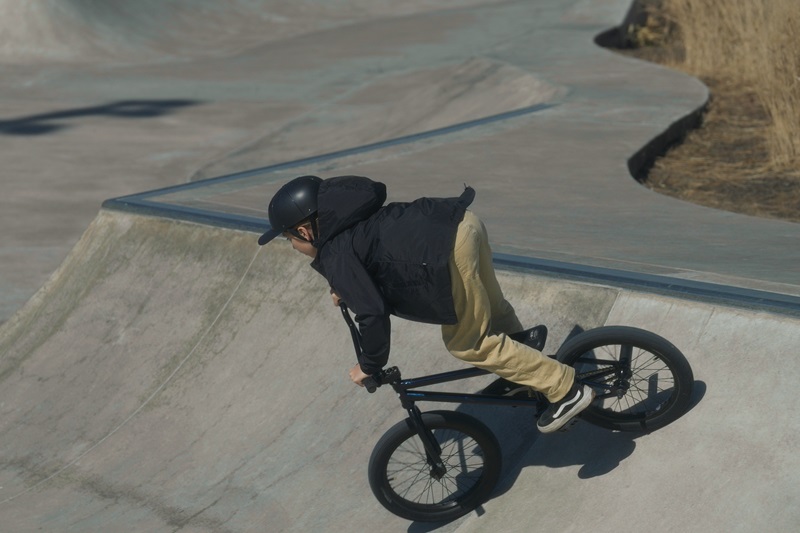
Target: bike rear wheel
{"type": "Point", "coordinates": [403, 482]}
{"type": "Point", "coordinates": [642, 381]}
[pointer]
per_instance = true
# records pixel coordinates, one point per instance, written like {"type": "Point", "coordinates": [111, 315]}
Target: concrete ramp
{"type": "Point", "coordinates": [161, 380]}
{"type": "Point", "coordinates": [174, 377]}
{"type": "Point", "coordinates": [730, 464]}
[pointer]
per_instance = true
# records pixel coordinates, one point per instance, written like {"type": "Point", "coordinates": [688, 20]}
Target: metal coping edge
{"type": "Point", "coordinates": [189, 214]}
{"type": "Point", "coordinates": [406, 139]}
{"type": "Point", "coordinates": [775, 302]}
{"type": "Point", "coordinates": [675, 287]}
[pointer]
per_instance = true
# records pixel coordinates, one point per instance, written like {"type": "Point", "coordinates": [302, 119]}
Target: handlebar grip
{"type": "Point", "coordinates": [371, 384]}
{"type": "Point", "coordinates": [387, 375]}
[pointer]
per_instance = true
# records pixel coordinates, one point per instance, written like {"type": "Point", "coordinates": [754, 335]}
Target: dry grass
{"type": "Point", "coordinates": [751, 43]}
{"type": "Point", "coordinates": [746, 156]}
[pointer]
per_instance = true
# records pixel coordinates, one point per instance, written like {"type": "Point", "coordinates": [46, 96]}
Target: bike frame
{"type": "Point", "coordinates": [405, 389]}
{"type": "Point", "coordinates": [409, 395]}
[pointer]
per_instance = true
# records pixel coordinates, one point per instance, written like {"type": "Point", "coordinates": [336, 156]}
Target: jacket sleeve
{"type": "Point", "coordinates": [348, 277]}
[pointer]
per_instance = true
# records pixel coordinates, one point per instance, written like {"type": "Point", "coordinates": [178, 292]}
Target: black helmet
{"type": "Point", "coordinates": [293, 203]}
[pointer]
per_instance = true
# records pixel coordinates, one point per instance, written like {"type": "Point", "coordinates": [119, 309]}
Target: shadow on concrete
{"type": "Point", "coordinates": [598, 451]}
{"type": "Point", "coordinates": [698, 391]}
{"type": "Point", "coordinates": [46, 123]}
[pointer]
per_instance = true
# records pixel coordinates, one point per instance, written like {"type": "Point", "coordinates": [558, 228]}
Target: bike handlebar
{"type": "Point", "coordinates": [371, 383]}
{"type": "Point", "coordinates": [387, 375]}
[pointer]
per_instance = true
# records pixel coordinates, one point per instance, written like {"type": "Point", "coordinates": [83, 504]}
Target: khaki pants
{"type": "Point", "coordinates": [485, 318]}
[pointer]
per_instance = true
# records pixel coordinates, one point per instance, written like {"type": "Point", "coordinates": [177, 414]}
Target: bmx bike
{"type": "Point", "coordinates": [440, 465]}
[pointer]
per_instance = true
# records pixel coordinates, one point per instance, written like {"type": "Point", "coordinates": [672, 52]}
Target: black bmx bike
{"type": "Point", "coordinates": [439, 465]}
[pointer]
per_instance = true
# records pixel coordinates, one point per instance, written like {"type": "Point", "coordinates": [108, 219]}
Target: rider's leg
{"type": "Point", "coordinates": [503, 317]}
{"type": "Point", "coordinates": [472, 339]}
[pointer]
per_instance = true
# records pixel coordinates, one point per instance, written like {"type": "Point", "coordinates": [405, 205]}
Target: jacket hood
{"type": "Point", "coordinates": [343, 202]}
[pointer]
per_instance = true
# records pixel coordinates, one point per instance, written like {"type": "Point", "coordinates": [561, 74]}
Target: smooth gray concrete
{"type": "Point", "coordinates": [174, 377]}
{"type": "Point", "coordinates": [117, 121]}
{"type": "Point", "coordinates": [102, 101]}
{"type": "Point", "coordinates": [554, 183]}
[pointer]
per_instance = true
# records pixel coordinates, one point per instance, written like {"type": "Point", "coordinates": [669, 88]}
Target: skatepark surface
{"type": "Point", "coordinates": [161, 372]}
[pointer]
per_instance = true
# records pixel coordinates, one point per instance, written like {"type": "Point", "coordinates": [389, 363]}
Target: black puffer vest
{"type": "Point", "coordinates": [384, 260]}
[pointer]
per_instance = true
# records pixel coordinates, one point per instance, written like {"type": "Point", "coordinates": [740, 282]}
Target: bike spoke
{"type": "Point", "coordinates": [628, 380]}
{"type": "Point", "coordinates": [641, 381]}
{"type": "Point", "coordinates": [409, 473]}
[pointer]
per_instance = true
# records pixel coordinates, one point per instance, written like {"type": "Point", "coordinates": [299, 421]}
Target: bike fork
{"type": "Point", "coordinates": [624, 373]}
{"type": "Point", "coordinates": [432, 449]}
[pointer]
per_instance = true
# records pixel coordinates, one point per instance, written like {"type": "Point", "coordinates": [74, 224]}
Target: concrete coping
{"type": "Point", "coordinates": [148, 203]}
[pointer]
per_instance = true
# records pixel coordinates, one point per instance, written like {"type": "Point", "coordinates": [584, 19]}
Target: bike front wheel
{"type": "Point", "coordinates": [404, 482]}
{"type": "Point", "coordinates": [642, 381]}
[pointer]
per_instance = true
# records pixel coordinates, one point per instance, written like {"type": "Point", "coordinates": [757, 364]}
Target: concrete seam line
{"type": "Point", "coordinates": [150, 398]}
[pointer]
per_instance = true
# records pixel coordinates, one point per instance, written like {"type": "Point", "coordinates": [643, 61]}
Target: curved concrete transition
{"type": "Point", "coordinates": [173, 376]}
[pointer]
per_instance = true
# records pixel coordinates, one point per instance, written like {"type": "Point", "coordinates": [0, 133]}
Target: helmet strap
{"type": "Point", "coordinates": [295, 233]}
{"type": "Point", "coordinates": [314, 230]}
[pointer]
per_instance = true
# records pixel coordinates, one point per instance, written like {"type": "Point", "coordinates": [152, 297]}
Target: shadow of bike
{"type": "Point", "coordinates": [597, 451]}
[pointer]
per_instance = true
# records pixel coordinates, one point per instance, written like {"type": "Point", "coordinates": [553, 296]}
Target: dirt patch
{"type": "Point", "coordinates": [725, 163]}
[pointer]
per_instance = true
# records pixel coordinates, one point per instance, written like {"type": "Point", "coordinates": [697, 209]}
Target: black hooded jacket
{"type": "Point", "coordinates": [384, 260]}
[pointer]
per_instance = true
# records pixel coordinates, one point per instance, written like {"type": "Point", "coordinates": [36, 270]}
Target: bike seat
{"type": "Point", "coordinates": [534, 337]}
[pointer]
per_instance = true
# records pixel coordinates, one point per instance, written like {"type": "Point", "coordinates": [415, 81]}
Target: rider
{"type": "Point", "coordinates": [427, 261]}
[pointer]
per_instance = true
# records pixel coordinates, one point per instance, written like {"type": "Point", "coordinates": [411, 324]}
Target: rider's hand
{"type": "Point", "coordinates": [336, 299]}
{"type": "Point", "coordinates": [358, 376]}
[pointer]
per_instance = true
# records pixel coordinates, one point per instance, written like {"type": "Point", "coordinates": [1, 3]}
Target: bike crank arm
{"type": "Point", "coordinates": [612, 375]}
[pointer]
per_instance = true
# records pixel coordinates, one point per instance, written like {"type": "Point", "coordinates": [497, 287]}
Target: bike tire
{"type": "Point", "coordinates": [657, 392]}
{"type": "Point", "coordinates": [400, 477]}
